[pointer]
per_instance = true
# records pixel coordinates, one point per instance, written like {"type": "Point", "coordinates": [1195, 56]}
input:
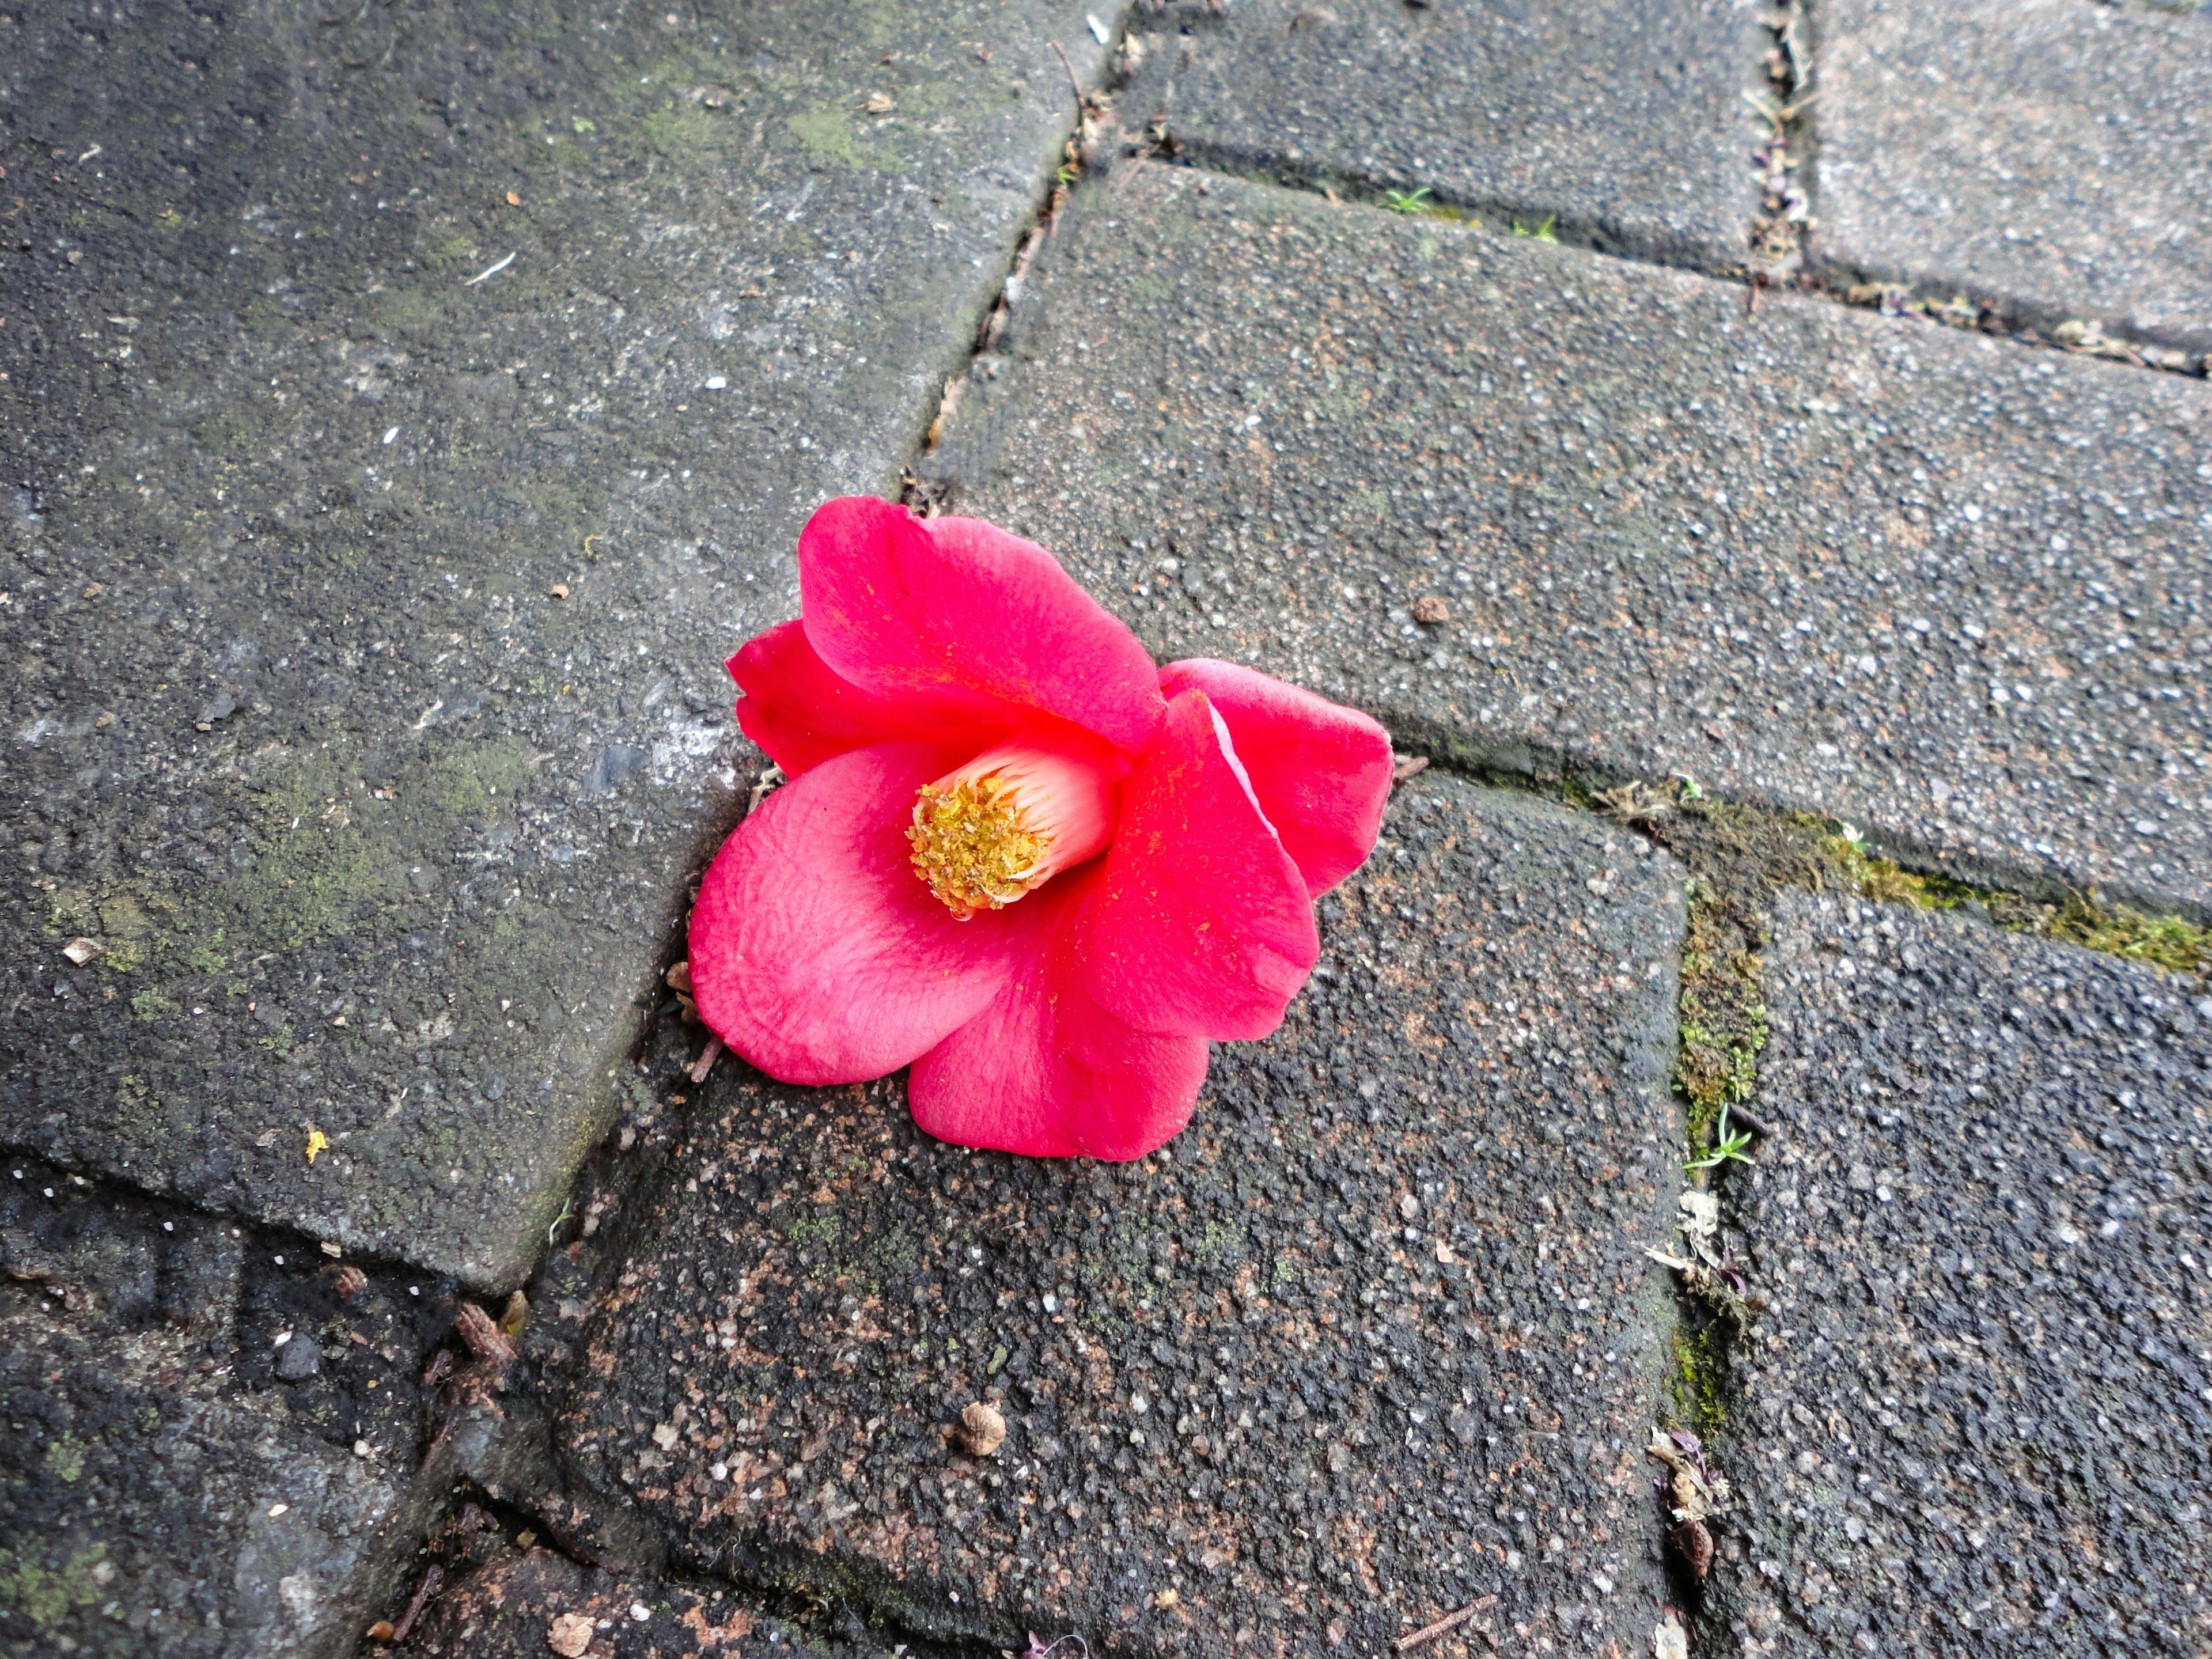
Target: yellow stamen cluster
{"type": "Point", "coordinates": [973, 845]}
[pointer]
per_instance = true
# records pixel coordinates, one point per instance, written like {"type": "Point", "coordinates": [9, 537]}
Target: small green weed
{"type": "Point", "coordinates": [1542, 232]}
{"type": "Point", "coordinates": [1407, 201]}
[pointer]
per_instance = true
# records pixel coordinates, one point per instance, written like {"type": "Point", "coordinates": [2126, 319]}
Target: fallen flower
{"type": "Point", "coordinates": [1013, 852]}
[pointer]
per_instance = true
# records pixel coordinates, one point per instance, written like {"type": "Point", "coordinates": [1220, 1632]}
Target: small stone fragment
{"type": "Point", "coordinates": [879, 103]}
{"type": "Point", "coordinates": [569, 1635]}
{"type": "Point", "coordinates": [1432, 608]}
{"type": "Point", "coordinates": [982, 1431]}
{"type": "Point", "coordinates": [81, 951]}
{"type": "Point", "coordinates": [299, 1360]}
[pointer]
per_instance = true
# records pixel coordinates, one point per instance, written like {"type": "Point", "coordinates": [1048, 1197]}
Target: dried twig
{"type": "Point", "coordinates": [433, 1577]}
{"type": "Point", "coordinates": [698, 1069]}
{"type": "Point", "coordinates": [1450, 1621]}
{"type": "Point", "coordinates": [1074, 84]}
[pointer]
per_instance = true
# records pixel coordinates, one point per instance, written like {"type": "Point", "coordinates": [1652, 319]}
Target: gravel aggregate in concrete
{"type": "Point", "coordinates": [407, 411]}
{"type": "Point", "coordinates": [1976, 1415]}
{"type": "Point", "coordinates": [2053, 159]}
{"type": "Point", "coordinates": [1542, 509]}
{"type": "Point", "coordinates": [1624, 125]}
{"type": "Point", "coordinates": [1373, 1338]}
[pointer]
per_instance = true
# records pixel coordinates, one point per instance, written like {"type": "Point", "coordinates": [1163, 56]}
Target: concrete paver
{"type": "Point", "coordinates": [1975, 1417]}
{"type": "Point", "coordinates": [1626, 125]}
{"type": "Point", "coordinates": [406, 412]}
{"type": "Point", "coordinates": [175, 1479]}
{"type": "Point", "coordinates": [1550, 509]}
{"type": "Point", "coordinates": [2051, 158]}
{"type": "Point", "coordinates": [1372, 1340]}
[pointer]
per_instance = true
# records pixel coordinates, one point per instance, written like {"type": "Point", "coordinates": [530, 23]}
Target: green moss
{"type": "Point", "coordinates": [151, 1003]}
{"type": "Point", "coordinates": [1722, 1020]}
{"type": "Point", "coordinates": [826, 133]}
{"type": "Point", "coordinates": [65, 1459]}
{"type": "Point", "coordinates": [45, 1597]}
{"type": "Point", "coordinates": [2169, 942]}
{"type": "Point", "coordinates": [1701, 1369]}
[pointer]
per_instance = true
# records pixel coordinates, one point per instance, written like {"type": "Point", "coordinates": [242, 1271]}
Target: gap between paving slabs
{"type": "Point", "coordinates": [741, 1268]}
{"type": "Point", "coordinates": [1024, 261]}
{"type": "Point", "coordinates": [1779, 152]}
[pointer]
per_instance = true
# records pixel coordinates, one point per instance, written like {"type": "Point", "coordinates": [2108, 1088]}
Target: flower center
{"type": "Point", "coordinates": [1010, 820]}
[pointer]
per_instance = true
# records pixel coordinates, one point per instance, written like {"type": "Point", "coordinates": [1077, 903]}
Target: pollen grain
{"type": "Point", "coordinates": [973, 846]}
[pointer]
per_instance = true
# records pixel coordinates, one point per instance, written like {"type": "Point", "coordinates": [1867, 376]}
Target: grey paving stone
{"type": "Point", "coordinates": [2049, 157]}
{"type": "Point", "coordinates": [1372, 1339]}
{"type": "Point", "coordinates": [1949, 586]}
{"type": "Point", "coordinates": [1626, 123]}
{"type": "Point", "coordinates": [507, 1608]}
{"type": "Point", "coordinates": [1976, 1418]}
{"type": "Point", "coordinates": [381, 832]}
{"type": "Point", "coordinates": [145, 1518]}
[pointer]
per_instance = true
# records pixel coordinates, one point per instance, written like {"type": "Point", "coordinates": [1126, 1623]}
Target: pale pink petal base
{"type": "Point", "coordinates": [1045, 1071]}
{"type": "Point", "coordinates": [1201, 926]}
{"type": "Point", "coordinates": [816, 952]}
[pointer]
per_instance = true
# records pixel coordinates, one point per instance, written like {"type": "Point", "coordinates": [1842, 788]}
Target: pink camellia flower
{"type": "Point", "coordinates": [1013, 852]}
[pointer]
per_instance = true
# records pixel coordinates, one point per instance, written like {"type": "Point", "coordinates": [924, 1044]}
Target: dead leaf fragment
{"type": "Point", "coordinates": [81, 951]}
{"type": "Point", "coordinates": [569, 1635]}
{"type": "Point", "coordinates": [317, 1141]}
{"type": "Point", "coordinates": [982, 1431]}
{"type": "Point", "coordinates": [514, 199]}
{"type": "Point", "coordinates": [879, 103]}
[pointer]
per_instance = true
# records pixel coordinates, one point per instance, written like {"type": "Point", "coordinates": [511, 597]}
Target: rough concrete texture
{"type": "Point", "coordinates": [1624, 124]}
{"type": "Point", "coordinates": [1976, 1415]}
{"type": "Point", "coordinates": [208, 1436]}
{"type": "Point", "coordinates": [1541, 507]}
{"type": "Point", "coordinates": [1371, 1339]}
{"type": "Point", "coordinates": [151, 1508]}
{"type": "Point", "coordinates": [523, 1603]}
{"type": "Point", "coordinates": [366, 604]}
{"type": "Point", "coordinates": [2051, 158]}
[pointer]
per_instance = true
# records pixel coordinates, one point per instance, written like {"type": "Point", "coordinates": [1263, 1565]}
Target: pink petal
{"type": "Point", "coordinates": [1046, 1071]}
{"type": "Point", "coordinates": [801, 713]}
{"type": "Point", "coordinates": [816, 951]}
{"type": "Point", "coordinates": [1322, 771]}
{"type": "Point", "coordinates": [1201, 926]}
{"type": "Point", "coordinates": [969, 616]}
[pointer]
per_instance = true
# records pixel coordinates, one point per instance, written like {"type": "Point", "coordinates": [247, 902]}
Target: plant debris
{"type": "Point", "coordinates": [1690, 1493]}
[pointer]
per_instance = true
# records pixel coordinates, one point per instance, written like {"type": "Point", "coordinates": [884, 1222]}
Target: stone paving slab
{"type": "Point", "coordinates": [1373, 1338]}
{"type": "Point", "coordinates": [208, 1442]}
{"type": "Point", "coordinates": [1626, 124]}
{"type": "Point", "coordinates": [2048, 157]}
{"type": "Point", "coordinates": [522, 1603]}
{"type": "Point", "coordinates": [1976, 1414]}
{"type": "Point", "coordinates": [203, 1526]}
{"type": "Point", "coordinates": [1550, 509]}
{"type": "Point", "coordinates": [407, 409]}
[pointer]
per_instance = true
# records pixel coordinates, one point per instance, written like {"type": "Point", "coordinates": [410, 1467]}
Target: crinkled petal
{"type": "Point", "coordinates": [962, 613]}
{"type": "Point", "coordinates": [1046, 1071]}
{"type": "Point", "coordinates": [1322, 771]}
{"type": "Point", "coordinates": [801, 712]}
{"type": "Point", "coordinates": [1201, 926]}
{"type": "Point", "coordinates": [816, 953]}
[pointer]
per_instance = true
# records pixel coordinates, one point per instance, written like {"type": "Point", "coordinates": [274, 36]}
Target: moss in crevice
{"type": "Point", "coordinates": [1701, 1343]}
{"type": "Point", "coordinates": [2172, 942]}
